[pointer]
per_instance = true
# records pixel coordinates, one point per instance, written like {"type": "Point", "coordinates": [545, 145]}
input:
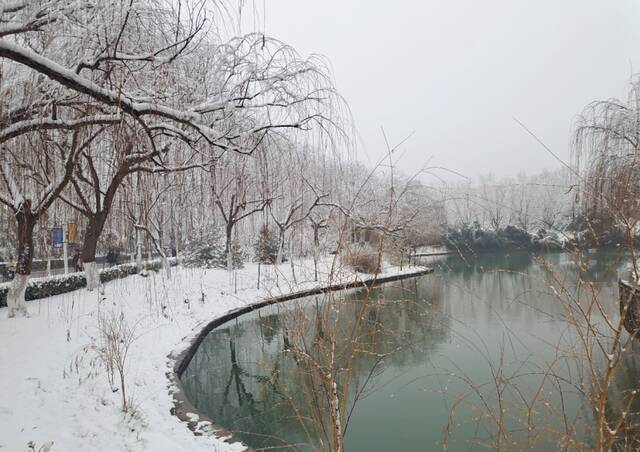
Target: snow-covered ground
{"type": "Point", "coordinates": [432, 250]}
{"type": "Point", "coordinates": [54, 392]}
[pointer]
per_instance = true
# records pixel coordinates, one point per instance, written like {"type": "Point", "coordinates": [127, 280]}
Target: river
{"type": "Point", "coordinates": [451, 359]}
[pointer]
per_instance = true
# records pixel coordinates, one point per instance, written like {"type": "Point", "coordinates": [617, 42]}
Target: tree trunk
{"type": "Point", "coordinates": [175, 240]}
{"type": "Point", "coordinates": [91, 274]}
{"type": "Point", "coordinates": [15, 297]}
{"type": "Point", "coordinates": [316, 251]}
{"type": "Point", "coordinates": [293, 269]}
{"type": "Point", "coordinates": [138, 250]}
{"type": "Point", "coordinates": [89, 246]}
{"type": "Point", "coordinates": [165, 264]}
{"type": "Point", "coordinates": [228, 250]}
{"type": "Point", "coordinates": [280, 257]}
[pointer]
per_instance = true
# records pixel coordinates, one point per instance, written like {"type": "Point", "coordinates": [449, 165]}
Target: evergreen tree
{"type": "Point", "coordinates": [266, 247]}
{"type": "Point", "coordinates": [207, 250]}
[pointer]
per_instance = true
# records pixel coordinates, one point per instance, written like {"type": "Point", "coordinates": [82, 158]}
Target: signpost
{"type": "Point", "coordinates": [62, 236]}
{"type": "Point", "coordinates": [58, 237]}
{"type": "Point", "coordinates": [72, 232]}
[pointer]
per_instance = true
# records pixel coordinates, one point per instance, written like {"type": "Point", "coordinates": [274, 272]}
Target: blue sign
{"type": "Point", "coordinates": [57, 237]}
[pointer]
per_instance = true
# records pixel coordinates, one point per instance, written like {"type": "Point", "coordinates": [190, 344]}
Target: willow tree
{"type": "Point", "coordinates": [606, 156]}
{"type": "Point", "coordinates": [160, 67]}
{"type": "Point", "coordinates": [59, 79]}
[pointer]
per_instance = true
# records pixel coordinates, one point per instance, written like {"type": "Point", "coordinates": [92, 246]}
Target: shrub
{"type": "Point", "coordinates": [515, 237]}
{"type": "Point", "coordinates": [549, 241]}
{"type": "Point", "coordinates": [462, 238]}
{"type": "Point", "coordinates": [39, 288]}
{"type": "Point", "coordinates": [596, 232]}
{"type": "Point", "coordinates": [363, 261]}
{"type": "Point", "coordinates": [477, 239]}
{"type": "Point", "coordinates": [487, 240]}
{"type": "Point", "coordinates": [122, 271]}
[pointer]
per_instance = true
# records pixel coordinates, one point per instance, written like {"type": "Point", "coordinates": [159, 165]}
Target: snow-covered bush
{"type": "Point", "coordinates": [55, 286]}
{"type": "Point", "coordinates": [548, 240]}
{"type": "Point", "coordinates": [266, 247]}
{"type": "Point", "coordinates": [112, 347]}
{"type": "Point", "coordinates": [207, 250]}
{"type": "Point", "coordinates": [478, 239]}
{"type": "Point", "coordinates": [598, 232]}
{"type": "Point", "coordinates": [473, 238]}
{"type": "Point", "coordinates": [515, 237]}
{"type": "Point", "coordinates": [362, 260]}
{"type": "Point", "coordinates": [121, 271]}
{"type": "Point", "coordinates": [47, 287]}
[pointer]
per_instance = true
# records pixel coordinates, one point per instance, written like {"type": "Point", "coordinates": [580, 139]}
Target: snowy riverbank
{"type": "Point", "coordinates": [55, 390]}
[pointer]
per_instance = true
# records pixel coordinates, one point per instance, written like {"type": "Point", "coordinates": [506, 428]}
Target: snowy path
{"type": "Point", "coordinates": [52, 388]}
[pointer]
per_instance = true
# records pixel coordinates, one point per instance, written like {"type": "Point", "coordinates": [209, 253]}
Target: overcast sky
{"type": "Point", "coordinates": [458, 71]}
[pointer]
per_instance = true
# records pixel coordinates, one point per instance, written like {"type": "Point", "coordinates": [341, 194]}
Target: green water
{"type": "Point", "coordinates": [434, 348]}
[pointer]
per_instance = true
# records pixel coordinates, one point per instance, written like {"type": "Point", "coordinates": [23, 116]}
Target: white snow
{"type": "Point", "coordinates": [432, 249]}
{"type": "Point", "coordinates": [53, 390]}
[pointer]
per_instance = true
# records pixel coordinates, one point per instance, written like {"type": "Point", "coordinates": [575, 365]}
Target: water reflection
{"type": "Point", "coordinates": [426, 342]}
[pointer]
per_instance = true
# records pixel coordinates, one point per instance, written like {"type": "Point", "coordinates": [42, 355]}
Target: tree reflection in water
{"type": "Point", "coordinates": [421, 348]}
{"type": "Point", "coordinates": [274, 364]}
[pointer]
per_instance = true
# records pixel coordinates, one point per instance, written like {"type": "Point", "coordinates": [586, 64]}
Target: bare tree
{"type": "Point", "coordinates": [232, 190]}
{"type": "Point", "coordinates": [100, 171]}
{"type": "Point", "coordinates": [30, 192]}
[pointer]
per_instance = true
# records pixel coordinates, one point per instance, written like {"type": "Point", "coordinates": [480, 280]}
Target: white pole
{"type": "Point", "coordinates": [48, 247]}
{"type": "Point", "coordinates": [65, 257]}
{"type": "Point", "coordinates": [138, 233]}
{"type": "Point", "coordinates": [175, 237]}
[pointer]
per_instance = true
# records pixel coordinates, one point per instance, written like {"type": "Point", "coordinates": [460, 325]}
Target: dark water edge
{"type": "Point", "coordinates": [451, 333]}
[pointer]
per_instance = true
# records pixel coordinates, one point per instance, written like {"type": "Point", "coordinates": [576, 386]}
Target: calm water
{"type": "Point", "coordinates": [434, 348]}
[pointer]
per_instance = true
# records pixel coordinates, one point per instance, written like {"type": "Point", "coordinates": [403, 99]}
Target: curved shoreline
{"type": "Point", "coordinates": [180, 358]}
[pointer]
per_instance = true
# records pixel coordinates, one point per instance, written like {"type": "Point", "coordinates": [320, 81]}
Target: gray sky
{"type": "Point", "coordinates": [457, 71]}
